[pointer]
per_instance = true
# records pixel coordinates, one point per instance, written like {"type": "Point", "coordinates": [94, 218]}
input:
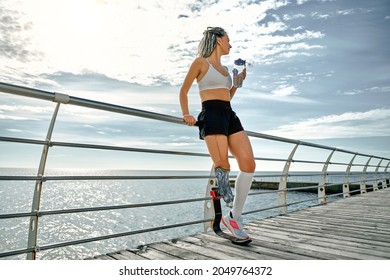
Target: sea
{"type": "Point", "coordinates": [16, 197]}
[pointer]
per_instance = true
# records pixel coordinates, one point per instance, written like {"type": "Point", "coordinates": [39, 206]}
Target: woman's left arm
{"type": "Point", "coordinates": [232, 92]}
{"type": "Point", "coordinates": [234, 89]}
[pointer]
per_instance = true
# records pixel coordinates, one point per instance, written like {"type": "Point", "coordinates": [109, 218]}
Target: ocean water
{"type": "Point", "coordinates": [16, 197]}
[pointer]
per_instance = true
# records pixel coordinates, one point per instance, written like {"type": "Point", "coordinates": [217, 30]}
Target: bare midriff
{"type": "Point", "coordinates": [215, 94]}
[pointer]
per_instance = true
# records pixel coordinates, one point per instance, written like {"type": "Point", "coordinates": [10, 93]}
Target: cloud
{"type": "Point", "coordinates": [285, 90]}
{"type": "Point", "coordinates": [292, 17]}
{"type": "Point", "coordinates": [371, 90]}
{"type": "Point", "coordinates": [317, 15]}
{"type": "Point", "coordinates": [300, 2]}
{"type": "Point", "coordinates": [16, 118]}
{"type": "Point", "coordinates": [24, 112]}
{"type": "Point", "coordinates": [14, 43]}
{"type": "Point", "coordinates": [15, 130]}
{"type": "Point", "coordinates": [351, 124]}
{"type": "Point", "coordinates": [282, 94]}
{"type": "Point", "coordinates": [77, 37]}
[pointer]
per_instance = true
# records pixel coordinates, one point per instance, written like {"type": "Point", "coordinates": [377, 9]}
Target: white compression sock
{"type": "Point", "coordinates": [242, 187]}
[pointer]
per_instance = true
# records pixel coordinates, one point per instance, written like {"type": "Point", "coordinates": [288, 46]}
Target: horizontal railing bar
{"type": "Point", "coordinates": [142, 150]}
{"type": "Point", "coordinates": [307, 161]}
{"type": "Point", "coordinates": [93, 178]}
{"type": "Point", "coordinates": [303, 143]}
{"type": "Point", "coordinates": [128, 149]}
{"type": "Point", "coordinates": [16, 252]}
{"type": "Point", "coordinates": [17, 215]}
{"type": "Point", "coordinates": [338, 163]}
{"type": "Point", "coordinates": [52, 96]}
{"type": "Point", "coordinates": [165, 177]}
{"type": "Point", "coordinates": [20, 178]}
{"type": "Point", "coordinates": [100, 208]}
{"type": "Point", "coordinates": [23, 140]}
{"type": "Point", "coordinates": [302, 188]}
{"type": "Point", "coordinates": [116, 148]}
{"type": "Point", "coordinates": [355, 191]}
{"type": "Point", "coordinates": [116, 207]}
{"type": "Point", "coordinates": [135, 177]}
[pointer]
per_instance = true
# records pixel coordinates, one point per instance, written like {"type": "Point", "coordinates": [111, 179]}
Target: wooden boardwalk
{"type": "Point", "coordinates": [352, 228]}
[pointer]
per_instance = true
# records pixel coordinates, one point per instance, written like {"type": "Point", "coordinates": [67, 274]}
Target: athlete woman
{"type": "Point", "coordinates": [219, 125]}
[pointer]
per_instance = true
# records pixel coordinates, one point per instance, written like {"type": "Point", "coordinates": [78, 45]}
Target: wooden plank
{"type": "Point", "coordinates": [336, 229]}
{"type": "Point", "coordinates": [264, 252]}
{"type": "Point", "coordinates": [131, 255]}
{"type": "Point", "coordinates": [104, 257]}
{"type": "Point", "coordinates": [150, 253]}
{"type": "Point", "coordinates": [337, 238]}
{"type": "Point", "coordinates": [362, 216]}
{"type": "Point", "coordinates": [179, 252]}
{"type": "Point", "coordinates": [301, 251]}
{"type": "Point", "coordinates": [325, 223]}
{"type": "Point", "coordinates": [210, 252]}
{"type": "Point", "coordinates": [293, 246]}
{"type": "Point", "coordinates": [117, 256]}
{"type": "Point", "coordinates": [223, 246]}
{"type": "Point", "coordinates": [354, 251]}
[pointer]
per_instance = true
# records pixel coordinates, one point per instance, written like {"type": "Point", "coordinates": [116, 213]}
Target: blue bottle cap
{"type": "Point", "coordinates": [239, 62]}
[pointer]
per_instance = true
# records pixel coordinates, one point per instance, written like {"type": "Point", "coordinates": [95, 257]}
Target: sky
{"type": "Point", "coordinates": [319, 72]}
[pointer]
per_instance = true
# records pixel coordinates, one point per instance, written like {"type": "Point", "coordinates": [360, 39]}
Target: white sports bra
{"type": "Point", "coordinates": [214, 79]}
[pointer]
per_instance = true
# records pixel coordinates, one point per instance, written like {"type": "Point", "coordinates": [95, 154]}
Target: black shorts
{"type": "Point", "coordinates": [217, 117]}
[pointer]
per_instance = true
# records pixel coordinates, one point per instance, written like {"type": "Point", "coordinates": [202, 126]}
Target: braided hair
{"type": "Point", "coordinates": [209, 40]}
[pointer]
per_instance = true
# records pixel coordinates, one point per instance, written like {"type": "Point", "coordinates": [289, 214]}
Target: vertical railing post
{"type": "Point", "coordinates": [363, 188]}
{"type": "Point", "coordinates": [375, 186]}
{"type": "Point", "coordinates": [282, 193]}
{"type": "Point", "coordinates": [322, 183]}
{"type": "Point", "coordinates": [384, 177]}
{"type": "Point", "coordinates": [346, 191]}
{"type": "Point", "coordinates": [33, 225]}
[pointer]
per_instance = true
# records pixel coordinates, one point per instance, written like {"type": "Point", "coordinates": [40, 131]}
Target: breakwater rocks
{"type": "Point", "coordinates": [310, 187]}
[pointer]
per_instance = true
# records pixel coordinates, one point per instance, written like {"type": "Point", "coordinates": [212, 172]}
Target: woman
{"type": "Point", "coordinates": [218, 124]}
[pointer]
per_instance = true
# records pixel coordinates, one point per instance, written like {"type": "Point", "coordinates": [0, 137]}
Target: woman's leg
{"type": "Point", "coordinates": [218, 148]}
{"type": "Point", "coordinates": [240, 147]}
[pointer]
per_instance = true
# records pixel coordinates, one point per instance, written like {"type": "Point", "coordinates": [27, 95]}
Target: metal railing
{"type": "Point", "coordinates": [371, 177]}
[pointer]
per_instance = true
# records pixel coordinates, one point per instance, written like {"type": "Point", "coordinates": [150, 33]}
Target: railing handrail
{"type": "Point", "coordinates": [61, 98]}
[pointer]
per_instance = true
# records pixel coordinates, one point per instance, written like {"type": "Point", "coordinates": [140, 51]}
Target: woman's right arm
{"type": "Point", "coordinates": [192, 74]}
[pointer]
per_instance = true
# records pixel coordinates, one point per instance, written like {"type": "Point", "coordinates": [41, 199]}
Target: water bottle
{"type": "Point", "coordinates": [239, 65]}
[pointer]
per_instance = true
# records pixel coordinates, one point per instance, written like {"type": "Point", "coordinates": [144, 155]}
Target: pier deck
{"type": "Point", "coordinates": [352, 228]}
